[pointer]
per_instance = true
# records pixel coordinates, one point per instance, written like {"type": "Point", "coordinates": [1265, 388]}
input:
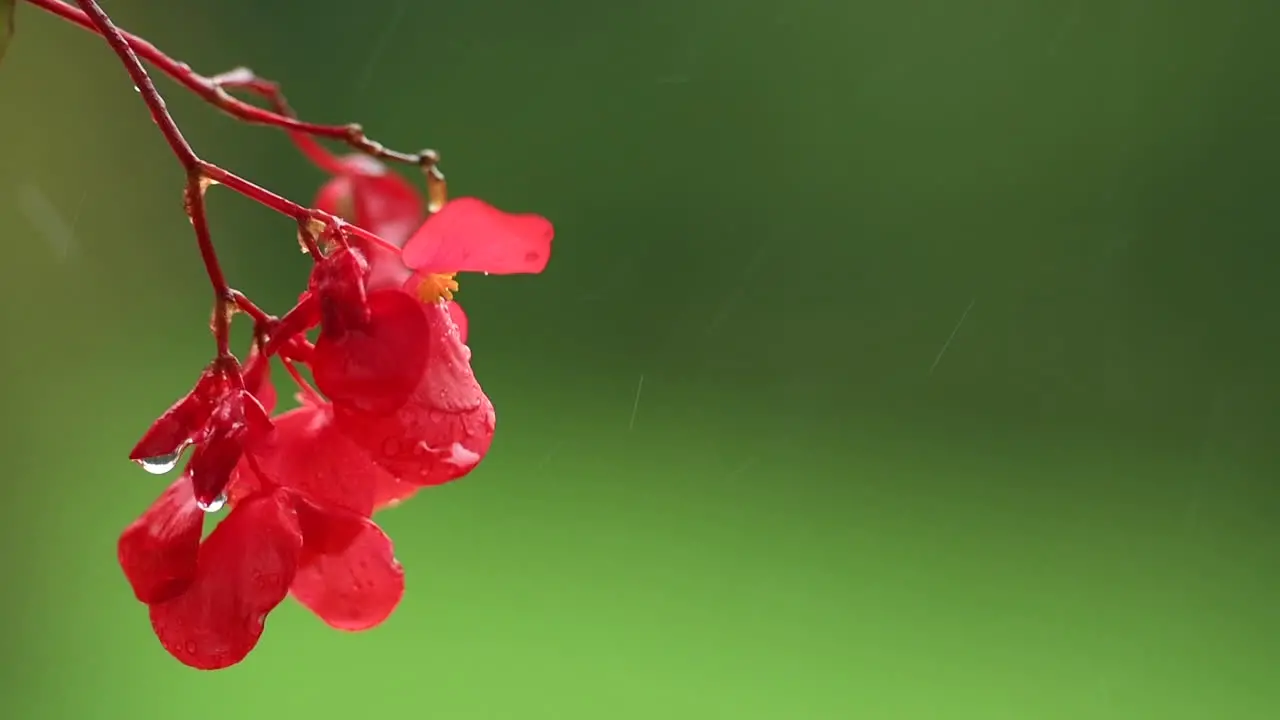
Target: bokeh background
{"type": "Point", "coordinates": [897, 360]}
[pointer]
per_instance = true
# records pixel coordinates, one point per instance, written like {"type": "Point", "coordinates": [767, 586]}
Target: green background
{"type": "Point", "coordinates": [776, 214]}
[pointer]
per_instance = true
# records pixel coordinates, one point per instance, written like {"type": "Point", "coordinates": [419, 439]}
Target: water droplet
{"type": "Point", "coordinates": [161, 464]}
{"type": "Point", "coordinates": [213, 505]}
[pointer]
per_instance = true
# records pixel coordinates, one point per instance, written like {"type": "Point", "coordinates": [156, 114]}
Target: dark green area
{"type": "Point", "coordinates": [777, 216]}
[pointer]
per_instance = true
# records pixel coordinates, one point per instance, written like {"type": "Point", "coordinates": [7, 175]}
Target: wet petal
{"type": "Point", "coordinates": [158, 550]}
{"type": "Point", "coordinates": [257, 378]}
{"type": "Point", "coordinates": [376, 366]}
{"type": "Point", "coordinates": [460, 319]}
{"type": "Point", "coordinates": [308, 454]}
{"type": "Point", "coordinates": [338, 283]}
{"type": "Point", "coordinates": [244, 482]}
{"type": "Point", "coordinates": [237, 422]}
{"type": "Point", "coordinates": [349, 575]}
{"type": "Point", "coordinates": [186, 421]}
{"type": "Point", "coordinates": [445, 427]}
{"type": "Point", "coordinates": [469, 235]}
{"type": "Point", "coordinates": [245, 568]}
{"type": "Point", "coordinates": [389, 495]}
{"type": "Point", "coordinates": [385, 269]}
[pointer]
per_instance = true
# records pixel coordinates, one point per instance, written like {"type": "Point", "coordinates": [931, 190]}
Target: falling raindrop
{"type": "Point", "coordinates": [161, 464]}
{"type": "Point", "coordinates": [213, 505]}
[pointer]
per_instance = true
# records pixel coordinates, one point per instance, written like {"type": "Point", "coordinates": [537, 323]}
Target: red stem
{"type": "Point", "coordinates": [260, 317]}
{"type": "Point", "coordinates": [306, 388]}
{"type": "Point", "coordinates": [242, 78]}
{"type": "Point", "coordinates": [214, 92]}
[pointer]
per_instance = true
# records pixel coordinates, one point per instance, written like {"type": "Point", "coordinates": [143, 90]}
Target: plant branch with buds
{"type": "Point", "coordinates": [201, 174]}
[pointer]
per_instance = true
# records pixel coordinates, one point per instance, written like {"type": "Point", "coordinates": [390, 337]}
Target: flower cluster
{"type": "Point", "coordinates": [395, 406]}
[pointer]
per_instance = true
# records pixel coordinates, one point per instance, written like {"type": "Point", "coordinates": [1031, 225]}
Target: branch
{"type": "Point", "coordinates": [193, 195]}
{"type": "Point", "coordinates": [201, 174]}
{"type": "Point", "coordinates": [214, 91]}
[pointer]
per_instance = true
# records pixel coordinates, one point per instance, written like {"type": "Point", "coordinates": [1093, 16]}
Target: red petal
{"type": "Point", "coordinates": [349, 575]}
{"type": "Point", "coordinates": [385, 269]}
{"type": "Point", "coordinates": [257, 379]}
{"type": "Point", "coordinates": [374, 367]}
{"type": "Point", "coordinates": [410, 286]}
{"type": "Point", "coordinates": [459, 319]}
{"type": "Point", "coordinates": [158, 550]}
{"type": "Point", "coordinates": [389, 495]}
{"type": "Point", "coordinates": [309, 455]}
{"type": "Point", "coordinates": [469, 235]}
{"type": "Point", "coordinates": [186, 421]}
{"type": "Point", "coordinates": [338, 282]}
{"type": "Point", "coordinates": [238, 421]}
{"type": "Point", "coordinates": [244, 482]}
{"type": "Point", "coordinates": [387, 205]}
{"type": "Point", "coordinates": [445, 427]}
{"type": "Point", "coordinates": [245, 568]}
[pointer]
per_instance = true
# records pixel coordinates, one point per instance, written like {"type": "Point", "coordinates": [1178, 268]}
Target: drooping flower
{"type": "Point", "coordinates": [219, 416]}
{"type": "Point", "coordinates": [299, 524]}
{"type": "Point", "coordinates": [401, 409]}
{"type": "Point", "coordinates": [443, 426]}
{"type": "Point", "coordinates": [440, 427]}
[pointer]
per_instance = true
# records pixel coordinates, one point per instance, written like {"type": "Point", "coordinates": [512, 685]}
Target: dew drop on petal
{"type": "Point", "coordinates": [161, 464]}
{"type": "Point", "coordinates": [213, 505]}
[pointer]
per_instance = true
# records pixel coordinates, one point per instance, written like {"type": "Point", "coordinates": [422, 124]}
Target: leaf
{"type": "Point", "coordinates": [6, 24]}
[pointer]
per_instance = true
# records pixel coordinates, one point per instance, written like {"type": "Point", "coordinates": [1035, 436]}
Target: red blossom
{"type": "Point", "coordinates": [219, 416]}
{"type": "Point", "coordinates": [299, 523]}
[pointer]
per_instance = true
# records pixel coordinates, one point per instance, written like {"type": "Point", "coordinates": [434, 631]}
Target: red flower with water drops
{"type": "Point", "coordinates": [299, 524]}
{"type": "Point", "coordinates": [219, 416]}
{"type": "Point", "coordinates": [416, 407]}
{"type": "Point", "coordinates": [402, 410]}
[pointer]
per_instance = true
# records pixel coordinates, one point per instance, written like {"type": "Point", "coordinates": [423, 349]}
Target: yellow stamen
{"type": "Point", "coordinates": [437, 286]}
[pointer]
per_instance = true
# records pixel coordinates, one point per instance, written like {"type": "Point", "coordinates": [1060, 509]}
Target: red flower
{"type": "Point", "coordinates": [433, 425]}
{"type": "Point", "coordinates": [219, 416]}
{"type": "Point", "coordinates": [299, 524]}
{"type": "Point", "coordinates": [466, 235]}
{"type": "Point", "coordinates": [401, 409]}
